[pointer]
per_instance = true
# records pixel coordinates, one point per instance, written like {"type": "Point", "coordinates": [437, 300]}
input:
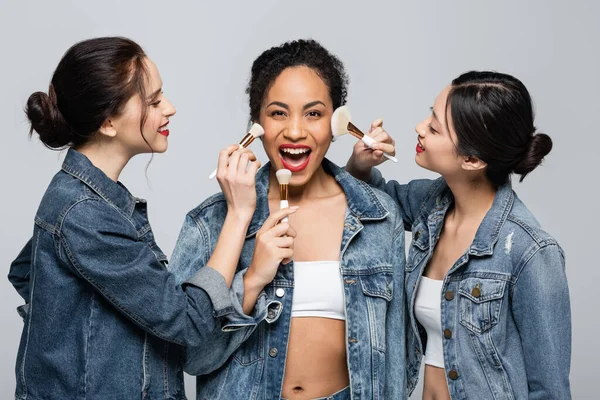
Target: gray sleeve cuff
{"type": "Point", "coordinates": [213, 283]}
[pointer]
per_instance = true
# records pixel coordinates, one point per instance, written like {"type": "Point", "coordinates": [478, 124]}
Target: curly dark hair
{"type": "Point", "coordinates": [307, 52]}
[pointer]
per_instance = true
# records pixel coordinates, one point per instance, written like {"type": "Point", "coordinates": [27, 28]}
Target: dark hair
{"type": "Point", "coordinates": [492, 115]}
{"type": "Point", "coordinates": [267, 67]}
{"type": "Point", "coordinates": [92, 82]}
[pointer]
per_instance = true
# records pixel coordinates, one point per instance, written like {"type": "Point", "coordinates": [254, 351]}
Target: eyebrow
{"type": "Point", "coordinates": [306, 106]}
{"type": "Point", "coordinates": [434, 114]}
{"type": "Point", "coordinates": [155, 94]}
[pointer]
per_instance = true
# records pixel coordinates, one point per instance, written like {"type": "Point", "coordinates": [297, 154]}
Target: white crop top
{"type": "Point", "coordinates": [429, 314]}
{"type": "Point", "coordinates": [318, 290]}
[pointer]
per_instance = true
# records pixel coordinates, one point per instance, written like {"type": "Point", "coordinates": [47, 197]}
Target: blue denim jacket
{"type": "Point", "coordinates": [101, 307]}
{"type": "Point", "coordinates": [505, 302]}
{"type": "Point", "coordinates": [372, 264]}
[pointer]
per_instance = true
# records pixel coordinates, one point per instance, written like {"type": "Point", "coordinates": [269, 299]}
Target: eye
{"type": "Point", "coordinates": [431, 129]}
{"type": "Point", "coordinates": [314, 114]}
{"type": "Point", "coordinates": [277, 113]}
{"type": "Point", "coordinates": [156, 103]}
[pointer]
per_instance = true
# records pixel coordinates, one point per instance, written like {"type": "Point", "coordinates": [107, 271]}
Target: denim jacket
{"type": "Point", "coordinates": [104, 319]}
{"type": "Point", "coordinates": [372, 263]}
{"type": "Point", "coordinates": [505, 304]}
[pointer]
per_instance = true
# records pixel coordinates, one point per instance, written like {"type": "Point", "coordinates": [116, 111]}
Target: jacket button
{"type": "Point", "coordinates": [476, 292]}
{"type": "Point", "coordinates": [447, 333]}
{"type": "Point", "coordinates": [273, 352]}
{"type": "Point", "coordinates": [271, 314]}
{"type": "Point", "coordinates": [417, 235]}
{"type": "Point", "coordinates": [453, 374]}
{"type": "Point", "coordinates": [279, 292]}
{"type": "Point", "coordinates": [449, 295]}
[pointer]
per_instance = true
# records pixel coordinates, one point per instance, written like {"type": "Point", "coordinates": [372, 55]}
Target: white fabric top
{"type": "Point", "coordinates": [428, 311]}
{"type": "Point", "coordinates": [318, 290]}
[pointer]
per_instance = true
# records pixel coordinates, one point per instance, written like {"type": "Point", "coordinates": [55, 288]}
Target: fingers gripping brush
{"type": "Point", "coordinates": [341, 124]}
{"type": "Point", "coordinates": [255, 131]}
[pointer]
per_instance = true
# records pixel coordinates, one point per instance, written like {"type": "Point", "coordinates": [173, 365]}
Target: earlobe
{"type": "Point", "coordinates": [472, 163]}
{"type": "Point", "coordinates": [108, 129]}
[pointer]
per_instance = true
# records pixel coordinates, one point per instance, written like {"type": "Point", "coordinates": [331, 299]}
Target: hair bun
{"type": "Point", "coordinates": [539, 146]}
{"type": "Point", "coordinates": [47, 121]}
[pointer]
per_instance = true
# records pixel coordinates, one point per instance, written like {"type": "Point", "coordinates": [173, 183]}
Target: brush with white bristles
{"type": "Point", "coordinates": [254, 132]}
{"type": "Point", "coordinates": [283, 177]}
{"type": "Point", "coordinates": [341, 124]}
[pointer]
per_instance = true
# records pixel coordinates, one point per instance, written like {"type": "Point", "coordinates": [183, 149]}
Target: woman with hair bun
{"type": "Point", "coordinates": [104, 319]}
{"type": "Point", "coordinates": [486, 288]}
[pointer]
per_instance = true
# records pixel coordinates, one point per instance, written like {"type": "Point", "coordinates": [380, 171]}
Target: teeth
{"type": "Point", "coordinates": [162, 128]}
{"type": "Point", "coordinates": [295, 151]}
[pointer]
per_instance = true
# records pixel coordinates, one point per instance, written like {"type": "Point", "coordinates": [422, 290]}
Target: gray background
{"type": "Point", "coordinates": [399, 56]}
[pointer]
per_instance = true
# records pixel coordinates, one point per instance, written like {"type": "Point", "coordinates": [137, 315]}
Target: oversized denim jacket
{"type": "Point", "coordinates": [104, 319]}
{"type": "Point", "coordinates": [372, 265]}
{"type": "Point", "coordinates": [505, 304]}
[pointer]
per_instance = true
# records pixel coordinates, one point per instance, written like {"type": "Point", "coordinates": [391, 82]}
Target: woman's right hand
{"type": "Point", "coordinates": [236, 173]}
{"type": "Point", "coordinates": [364, 158]}
{"type": "Point", "coordinates": [274, 244]}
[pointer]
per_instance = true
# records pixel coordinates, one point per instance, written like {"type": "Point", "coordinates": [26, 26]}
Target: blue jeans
{"type": "Point", "coordinates": [343, 394]}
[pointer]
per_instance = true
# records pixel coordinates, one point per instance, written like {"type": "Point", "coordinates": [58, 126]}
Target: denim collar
{"type": "Point", "coordinates": [489, 229]}
{"type": "Point", "coordinates": [80, 167]}
{"type": "Point", "coordinates": [360, 197]}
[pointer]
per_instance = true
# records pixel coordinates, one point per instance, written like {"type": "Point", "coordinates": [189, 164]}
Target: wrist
{"type": "Point", "coordinates": [356, 170]}
{"type": "Point", "coordinates": [252, 283]}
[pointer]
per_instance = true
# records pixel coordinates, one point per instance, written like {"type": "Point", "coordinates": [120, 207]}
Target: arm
{"type": "Point", "coordinates": [410, 197]}
{"type": "Point", "coordinates": [19, 271]}
{"type": "Point", "coordinates": [541, 307]}
{"type": "Point", "coordinates": [395, 327]}
{"type": "Point", "coordinates": [103, 248]}
{"type": "Point", "coordinates": [191, 251]}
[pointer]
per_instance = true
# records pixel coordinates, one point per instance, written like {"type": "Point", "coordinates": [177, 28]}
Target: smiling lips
{"type": "Point", "coordinates": [163, 130]}
{"type": "Point", "coordinates": [420, 147]}
{"type": "Point", "coordinates": [294, 157]}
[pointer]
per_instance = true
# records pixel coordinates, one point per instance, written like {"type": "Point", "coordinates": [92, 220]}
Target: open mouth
{"type": "Point", "coordinates": [294, 157]}
{"type": "Point", "coordinates": [163, 130]}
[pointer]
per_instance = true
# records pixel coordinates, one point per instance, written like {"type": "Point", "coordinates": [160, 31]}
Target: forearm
{"type": "Point", "coordinates": [363, 174]}
{"type": "Point", "coordinates": [226, 255]}
{"type": "Point", "coordinates": [252, 290]}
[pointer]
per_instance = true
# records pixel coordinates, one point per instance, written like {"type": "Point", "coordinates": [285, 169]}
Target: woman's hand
{"type": "Point", "coordinates": [236, 173]}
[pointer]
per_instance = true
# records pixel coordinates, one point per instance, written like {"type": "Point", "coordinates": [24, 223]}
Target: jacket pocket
{"type": "Point", "coordinates": [252, 349]}
{"type": "Point", "coordinates": [480, 303]}
{"type": "Point", "coordinates": [378, 289]}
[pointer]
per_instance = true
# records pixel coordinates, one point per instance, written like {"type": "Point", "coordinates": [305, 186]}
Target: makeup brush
{"type": "Point", "coordinates": [283, 177]}
{"type": "Point", "coordinates": [255, 131]}
{"type": "Point", "coordinates": [341, 124]}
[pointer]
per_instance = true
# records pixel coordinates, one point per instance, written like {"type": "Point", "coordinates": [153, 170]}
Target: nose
{"type": "Point", "coordinates": [295, 130]}
{"type": "Point", "coordinates": [421, 127]}
{"type": "Point", "coordinates": [169, 109]}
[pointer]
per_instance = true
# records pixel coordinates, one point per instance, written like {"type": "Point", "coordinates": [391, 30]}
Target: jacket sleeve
{"type": "Point", "coordinates": [19, 271]}
{"type": "Point", "coordinates": [18, 276]}
{"type": "Point", "coordinates": [190, 257]}
{"type": "Point", "coordinates": [541, 307]}
{"type": "Point", "coordinates": [101, 246]}
{"type": "Point", "coordinates": [409, 197]}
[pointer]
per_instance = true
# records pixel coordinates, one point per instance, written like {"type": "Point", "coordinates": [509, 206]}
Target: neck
{"type": "Point", "coordinates": [472, 200]}
{"type": "Point", "coordinates": [106, 158]}
{"type": "Point", "coordinates": [320, 185]}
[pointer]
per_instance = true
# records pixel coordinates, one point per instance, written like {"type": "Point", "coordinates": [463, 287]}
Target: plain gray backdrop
{"type": "Point", "coordinates": [399, 55]}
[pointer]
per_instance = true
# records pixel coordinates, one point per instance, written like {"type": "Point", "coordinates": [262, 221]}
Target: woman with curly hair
{"type": "Point", "coordinates": [330, 307]}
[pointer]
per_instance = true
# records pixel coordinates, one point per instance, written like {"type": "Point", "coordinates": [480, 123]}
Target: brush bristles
{"type": "Point", "coordinates": [283, 176]}
{"type": "Point", "coordinates": [339, 121]}
{"type": "Point", "coordinates": [256, 130]}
